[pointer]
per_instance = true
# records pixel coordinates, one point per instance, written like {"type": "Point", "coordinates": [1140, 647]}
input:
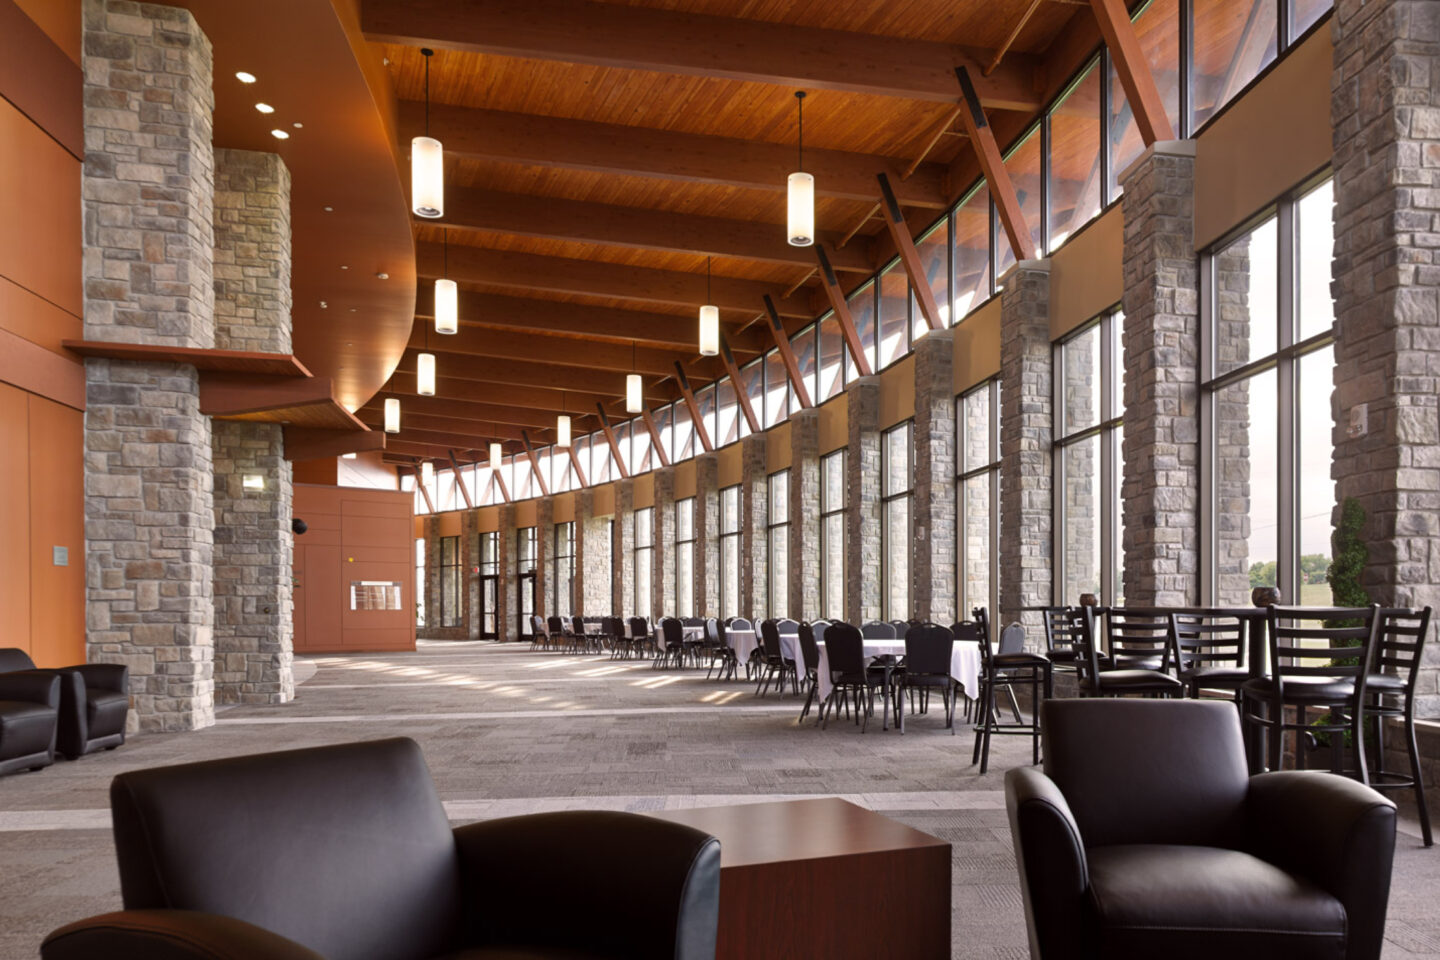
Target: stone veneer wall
{"type": "Point", "coordinates": [754, 517]}
{"type": "Point", "coordinates": [469, 579]}
{"type": "Point", "coordinates": [1161, 493]}
{"type": "Point", "coordinates": [506, 618]}
{"type": "Point", "coordinates": [1385, 111]}
{"type": "Point", "coordinates": [146, 191]}
{"type": "Point", "coordinates": [804, 513]}
{"type": "Point", "coordinates": [933, 569]}
{"type": "Point", "coordinates": [594, 552]}
{"type": "Point", "coordinates": [862, 501]}
{"type": "Point", "coordinates": [253, 557]}
{"type": "Point", "coordinates": [1232, 427]}
{"type": "Point", "coordinates": [252, 252]}
{"type": "Point", "coordinates": [662, 567]}
{"type": "Point", "coordinates": [1026, 432]}
{"type": "Point", "coordinates": [545, 557]}
{"type": "Point", "coordinates": [622, 560]}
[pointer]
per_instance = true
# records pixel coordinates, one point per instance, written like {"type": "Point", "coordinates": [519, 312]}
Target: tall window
{"type": "Point", "coordinates": [730, 551]}
{"type": "Point", "coordinates": [563, 591]}
{"type": "Point", "coordinates": [489, 584]}
{"type": "Point", "coordinates": [832, 536]}
{"type": "Point", "coordinates": [644, 560]}
{"type": "Point", "coordinates": [527, 551]}
{"type": "Point", "coordinates": [449, 581]}
{"type": "Point", "coordinates": [779, 543]}
{"type": "Point", "coordinates": [1267, 361]}
{"type": "Point", "coordinates": [685, 557]}
{"type": "Point", "coordinates": [420, 582]}
{"type": "Point", "coordinates": [898, 479]}
{"type": "Point", "coordinates": [977, 513]}
{"type": "Point", "coordinates": [1087, 463]}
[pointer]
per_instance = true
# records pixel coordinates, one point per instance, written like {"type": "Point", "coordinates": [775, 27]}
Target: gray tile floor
{"type": "Point", "coordinates": [507, 731]}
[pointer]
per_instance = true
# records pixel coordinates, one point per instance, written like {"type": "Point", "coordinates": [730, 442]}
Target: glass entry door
{"type": "Point", "coordinates": [489, 604]}
{"type": "Point", "coordinates": [525, 587]}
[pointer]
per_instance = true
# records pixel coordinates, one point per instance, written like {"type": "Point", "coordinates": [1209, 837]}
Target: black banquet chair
{"type": "Point", "coordinates": [1145, 837]}
{"type": "Point", "coordinates": [344, 852]}
{"type": "Point", "coordinates": [928, 648]}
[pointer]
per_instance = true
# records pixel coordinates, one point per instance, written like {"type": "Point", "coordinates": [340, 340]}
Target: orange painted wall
{"type": "Point", "coordinates": [42, 388]}
{"type": "Point", "coordinates": [354, 534]}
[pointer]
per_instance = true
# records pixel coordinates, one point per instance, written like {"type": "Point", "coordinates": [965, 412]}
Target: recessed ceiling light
{"type": "Point", "coordinates": [264, 108]}
{"type": "Point", "coordinates": [329, 209]}
{"type": "Point", "coordinates": [244, 77]}
{"type": "Point", "coordinates": [279, 134]}
{"type": "Point", "coordinates": [382, 276]}
{"type": "Point", "coordinates": [297, 124]}
{"type": "Point", "coordinates": [344, 266]}
{"type": "Point", "coordinates": [352, 309]}
{"type": "Point", "coordinates": [324, 305]}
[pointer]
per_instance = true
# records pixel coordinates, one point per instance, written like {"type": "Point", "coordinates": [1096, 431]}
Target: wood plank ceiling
{"type": "Point", "coordinates": [596, 153]}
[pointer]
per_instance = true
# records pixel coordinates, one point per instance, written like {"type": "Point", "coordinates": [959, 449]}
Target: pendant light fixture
{"type": "Point", "coordinates": [495, 453]}
{"type": "Point", "coordinates": [425, 370]}
{"type": "Point", "coordinates": [709, 321]}
{"type": "Point", "coordinates": [447, 297]}
{"type": "Point", "coordinates": [392, 415]}
{"type": "Point", "coordinates": [427, 473]}
{"type": "Point", "coordinates": [633, 399]}
{"type": "Point", "coordinates": [562, 425]}
{"type": "Point", "coordinates": [427, 163]}
{"type": "Point", "coordinates": [801, 187]}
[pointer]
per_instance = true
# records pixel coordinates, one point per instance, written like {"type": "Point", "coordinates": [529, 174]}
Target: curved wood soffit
{"type": "Point", "coordinates": [315, 68]}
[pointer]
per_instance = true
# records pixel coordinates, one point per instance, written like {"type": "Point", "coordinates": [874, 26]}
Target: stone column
{"type": "Point", "coordinates": [707, 535]}
{"type": "Point", "coordinates": [1161, 494]}
{"type": "Point", "coordinates": [1385, 110]}
{"type": "Point", "coordinates": [934, 568]}
{"type": "Point", "coordinates": [1026, 424]}
{"type": "Point", "coordinates": [469, 576]}
{"type": "Point", "coordinates": [507, 582]}
{"type": "Point", "coordinates": [253, 541]}
{"type": "Point", "coordinates": [862, 501]}
{"type": "Point", "coordinates": [146, 192]}
{"type": "Point", "coordinates": [662, 570]}
{"type": "Point", "coordinates": [622, 560]}
{"type": "Point", "coordinates": [804, 545]}
{"type": "Point", "coordinates": [1232, 427]}
{"type": "Point", "coordinates": [430, 531]}
{"type": "Point", "coordinates": [754, 513]}
{"type": "Point", "coordinates": [544, 555]}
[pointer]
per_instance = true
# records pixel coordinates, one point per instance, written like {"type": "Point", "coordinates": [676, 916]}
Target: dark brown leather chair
{"type": "Point", "coordinates": [29, 715]}
{"type": "Point", "coordinates": [94, 699]}
{"type": "Point", "coordinates": [1144, 837]}
{"type": "Point", "coordinates": [345, 853]}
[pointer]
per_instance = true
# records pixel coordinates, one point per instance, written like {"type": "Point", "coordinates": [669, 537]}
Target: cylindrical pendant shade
{"type": "Point", "coordinates": [392, 415]}
{"type": "Point", "coordinates": [425, 374]}
{"type": "Point", "coordinates": [633, 401]}
{"type": "Point", "coordinates": [447, 307]}
{"type": "Point", "coordinates": [427, 473]}
{"type": "Point", "coordinates": [562, 431]}
{"type": "Point", "coordinates": [801, 209]}
{"type": "Point", "coordinates": [427, 178]}
{"type": "Point", "coordinates": [709, 330]}
{"type": "Point", "coordinates": [494, 456]}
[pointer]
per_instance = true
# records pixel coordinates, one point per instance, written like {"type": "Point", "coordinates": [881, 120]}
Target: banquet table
{"type": "Point", "coordinates": [964, 662]}
{"type": "Point", "coordinates": [742, 642]}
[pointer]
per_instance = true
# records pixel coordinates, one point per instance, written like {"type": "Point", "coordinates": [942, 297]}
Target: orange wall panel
{"type": "Point", "coordinates": [15, 522]}
{"type": "Point", "coordinates": [57, 505]}
{"type": "Point", "coordinates": [40, 239]}
{"type": "Point", "coordinates": [60, 19]}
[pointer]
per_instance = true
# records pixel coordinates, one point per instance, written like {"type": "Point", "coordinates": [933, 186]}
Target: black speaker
{"type": "Point", "coordinates": [299, 526]}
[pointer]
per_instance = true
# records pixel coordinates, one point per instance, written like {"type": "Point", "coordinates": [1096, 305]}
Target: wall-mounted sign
{"type": "Point", "coordinates": [375, 595]}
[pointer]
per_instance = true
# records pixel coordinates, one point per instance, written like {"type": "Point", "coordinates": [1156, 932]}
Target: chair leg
{"type": "Point", "coordinates": [1415, 774]}
{"type": "Point", "coordinates": [1014, 703]}
{"type": "Point", "coordinates": [979, 724]}
{"type": "Point", "coordinates": [1035, 722]}
{"type": "Point", "coordinates": [988, 720]}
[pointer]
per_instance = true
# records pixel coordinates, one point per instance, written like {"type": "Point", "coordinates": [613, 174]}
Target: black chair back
{"type": "Point", "coordinates": [846, 651]}
{"type": "Point", "coordinates": [878, 630]}
{"type": "Point", "coordinates": [1204, 641]}
{"type": "Point", "coordinates": [927, 650]}
{"type": "Point", "coordinates": [1398, 649]}
{"type": "Point", "coordinates": [639, 629]}
{"type": "Point", "coordinates": [1140, 638]}
{"type": "Point", "coordinates": [1319, 641]}
{"type": "Point", "coordinates": [809, 649]}
{"type": "Point", "coordinates": [1061, 627]}
{"type": "Point", "coordinates": [819, 627]}
{"type": "Point", "coordinates": [901, 626]}
{"type": "Point", "coordinates": [692, 621]}
{"type": "Point", "coordinates": [579, 625]}
{"type": "Point", "coordinates": [555, 626]}
{"type": "Point", "coordinates": [13, 659]}
{"type": "Point", "coordinates": [673, 631]}
{"type": "Point", "coordinates": [770, 638]}
{"type": "Point", "coordinates": [721, 638]}
{"type": "Point", "coordinates": [1078, 630]}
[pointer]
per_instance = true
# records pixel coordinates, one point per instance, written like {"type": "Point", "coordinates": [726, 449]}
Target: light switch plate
{"type": "Point", "coordinates": [60, 556]}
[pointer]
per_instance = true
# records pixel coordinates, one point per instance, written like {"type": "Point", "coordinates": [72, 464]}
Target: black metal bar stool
{"type": "Point", "coordinates": [1007, 667]}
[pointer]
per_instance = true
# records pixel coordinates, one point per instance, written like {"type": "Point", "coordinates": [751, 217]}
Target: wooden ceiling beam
{"type": "Point", "coordinates": [554, 218]}
{"type": "Point", "coordinates": [528, 271]}
{"type": "Point", "coordinates": [655, 438]}
{"type": "Point", "coordinates": [787, 356]}
{"type": "Point", "coordinates": [440, 406]}
{"type": "Point", "coordinates": [475, 433]}
{"type": "Point", "coordinates": [643, 38]}
{"type": "Point", "coordinates": [841, 307]}
{"type": "Point", "coordinates": [458, 441]}
{"type": "Point", "coordinates": [405, 451]}
{"type": "Point", "coordinates": [464, 490]}
{"type": "Point", "coordinates": [646, 152]}
{"type": "Point", "coordinates": [575, 465]}
{"type": "Point", "coordinates": [308, 443]}
{"type": "Point", "coordinates": [522, 373]}
{"type": "Point", "coordinates": [470, 343]}
{"type": "Point", "coordinates": [987, 151]}
{"type": "Point", "coordinates": [695, 419]}
{"type": "Point", "coordinates": [492, 311]}
{"type": "Point", "coordinates": [535, 464]}
{"type": "Point", "coordinates": [1133, 69]}
{"type": "Point", "coordinates": [614, 443]}
{"type": "Point", "coordinates": [738, 384]}
{"type": "Point", "coordinates": [909, 256]}
{"type": "Point", "coordinates": [501, 394]}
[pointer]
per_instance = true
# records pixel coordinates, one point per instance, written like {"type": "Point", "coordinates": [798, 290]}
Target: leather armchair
{"type": "Point", "coordinates": [1145, 837]}
{"type": "Point", "coordinates": [94, 700]}
{"type": "Point", "coordinates": [345, 853]}
{"type": "Point", "coordinates": [29, 712]}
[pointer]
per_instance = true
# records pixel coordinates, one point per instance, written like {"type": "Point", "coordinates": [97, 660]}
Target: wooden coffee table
{"type": "Point", "coordinates": [825, 878]}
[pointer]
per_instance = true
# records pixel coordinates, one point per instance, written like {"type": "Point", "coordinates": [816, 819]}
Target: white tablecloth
{"type": "Point", "coordinates": [964, 662]}
{"type": "Point", "coordinates": [742, 642]}
{"type": "Point", "coordinates": [689, 633]}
